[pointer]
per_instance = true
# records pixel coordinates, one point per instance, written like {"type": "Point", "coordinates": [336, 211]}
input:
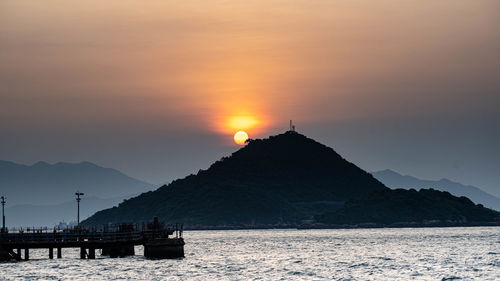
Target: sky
{"type": "Point", "coordinates": [157, 89]}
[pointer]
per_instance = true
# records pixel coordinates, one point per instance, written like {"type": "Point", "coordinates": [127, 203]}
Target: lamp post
{"type": "Point", "coordinates": [3, 213]}
{"type": "Point", "coordinates": [78, 199]}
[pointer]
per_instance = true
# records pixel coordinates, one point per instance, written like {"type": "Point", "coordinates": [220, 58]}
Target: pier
{"type": "Point", "coordinates": [159, 241]}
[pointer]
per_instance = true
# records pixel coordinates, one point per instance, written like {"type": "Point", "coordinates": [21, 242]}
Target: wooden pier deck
{"type": "Point", "coordinates": [165, 241]}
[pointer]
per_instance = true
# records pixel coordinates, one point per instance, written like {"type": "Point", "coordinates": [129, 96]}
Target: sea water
{"type": "Point", "coordinates": [345, 254]}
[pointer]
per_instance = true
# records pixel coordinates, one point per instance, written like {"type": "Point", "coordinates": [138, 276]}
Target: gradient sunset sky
{"type": "Point", "coordinates": [153, 88]}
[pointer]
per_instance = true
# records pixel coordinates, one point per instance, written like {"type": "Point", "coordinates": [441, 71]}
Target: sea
{"type": "Point", "coordinates": [469, 253]}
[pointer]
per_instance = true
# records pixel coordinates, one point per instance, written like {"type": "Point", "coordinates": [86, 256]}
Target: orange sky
{"type": "Point", "coordinates": [210, 60]}
{"type": "Point", "coordinates": [179, 68]}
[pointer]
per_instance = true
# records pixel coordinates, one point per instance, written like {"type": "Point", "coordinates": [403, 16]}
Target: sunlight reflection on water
{"type": "Point", "coordinates": [367, 254]}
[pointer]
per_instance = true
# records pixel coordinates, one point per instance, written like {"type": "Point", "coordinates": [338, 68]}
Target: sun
{"type": "Point", "coordinates": [240, 137]}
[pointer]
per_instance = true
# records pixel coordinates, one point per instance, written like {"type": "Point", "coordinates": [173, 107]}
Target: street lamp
{"type": "Point", "coordinates": [3, 213]}
{"type": "Point", "coordinates": [78, 199]}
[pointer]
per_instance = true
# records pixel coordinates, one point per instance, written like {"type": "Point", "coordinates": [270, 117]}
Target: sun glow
{"type": "Point", "coordinates": [240, 137]}
{"type": "Point", "coordinates": [242, 122]}
{"type": "Point", "coordinates": [228, 123]}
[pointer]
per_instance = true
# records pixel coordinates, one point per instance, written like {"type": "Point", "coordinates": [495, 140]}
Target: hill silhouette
{"type": "Point", "coordinates": [282, 181]}
{"type": "Point", "coordinates": [401, 206]}
{"type": "Point", "coordinates": [279, 180]}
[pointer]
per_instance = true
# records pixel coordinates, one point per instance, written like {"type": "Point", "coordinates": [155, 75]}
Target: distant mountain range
{"type": "Point", "coordinates": [43, 194]}
{"type": "Point", "coordinates": [44, 184]}
{"type": "Point", "coordinates": [290, 180]}
{"type": "Point", "coordinates": [26, 215]}
{"type": "Point", "coordinates": [285, 180]}
{"type": "Point", "coordinates": [393, 179]}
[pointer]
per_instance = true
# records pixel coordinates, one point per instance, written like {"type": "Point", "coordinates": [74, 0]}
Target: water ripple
{"type": "Point", "coordinates": [354, 254]}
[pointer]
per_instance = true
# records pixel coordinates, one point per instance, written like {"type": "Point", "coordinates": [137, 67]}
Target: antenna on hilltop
{"type": "Point", "coordinates": [292, 127]}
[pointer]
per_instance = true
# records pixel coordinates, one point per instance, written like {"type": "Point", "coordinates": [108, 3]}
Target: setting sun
{"type": "Point", "coordinates": [240, 137]}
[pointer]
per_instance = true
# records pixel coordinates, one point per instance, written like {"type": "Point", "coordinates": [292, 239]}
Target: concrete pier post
{"type": "Point", "coordinates": [59, 253]}
{"type": "Point", "coordinates": [91, 253]}
{"type": "Point", "coordinates": [118, 251]}
{"type": "Point", "coordinates": [26, 254]}
{"type": "Point", "coordinates": [51, 253]}
{"type": "Point", "coordinates": [128, 250]}
{"type": "Point", "coordinates": [83, 253]}
{"type": "Point", "coordinates": [18, 253]}
{"type": "Point", "coordinates": [4, 254]}
{"type": "Point", "coordinates": [164, 248]}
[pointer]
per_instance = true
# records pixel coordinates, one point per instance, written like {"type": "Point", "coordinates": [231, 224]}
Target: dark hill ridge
{"type": "Point", "coordinates": [279, 180]}
{"type": "Point", "coordinates": [284, 180]}
{"type": "Point", "coordinates": [410, 207]}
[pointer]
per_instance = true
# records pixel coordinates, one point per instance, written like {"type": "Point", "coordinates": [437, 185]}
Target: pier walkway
{"type": "Point", "coordinates": [115, 242]}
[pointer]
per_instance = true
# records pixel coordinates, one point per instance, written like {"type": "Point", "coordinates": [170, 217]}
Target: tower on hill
{"type": "Point", "coordinates": [292, 128]}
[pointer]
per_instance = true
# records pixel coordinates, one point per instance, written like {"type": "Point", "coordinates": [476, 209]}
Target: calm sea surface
{"type": "Point", "coordinates": [360, 254]}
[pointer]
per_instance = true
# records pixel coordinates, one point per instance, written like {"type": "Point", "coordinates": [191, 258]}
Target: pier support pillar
{"type": "Point", "coordinates": [118, 251]}
{"type": "Point", "coordinates": [127, 251]}
{"type": "Point", "coordinates": [26, 254]}
{"type": "Point", "coordinates": [91, 253]}
{"type": "Point", "coordinates": [164, 248]}
{"type": "Point", "coordinates": [83, 253]}
{"type": "Point", "coordinates": [4, 254]}
{"type": "Point", "coordinates": [18, 253]}
{"type": "Point", "coordinates": [51, 253]}
{"type": "Point", "coordinates": [59, 253]}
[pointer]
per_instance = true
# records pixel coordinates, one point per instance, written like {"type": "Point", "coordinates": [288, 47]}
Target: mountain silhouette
{"type": "Point", "coordinates": [282, 181]}
{"type": "Point", "coordinates": [279, 180]}
{"type": "Point", "coordinates": [393, 179]}
{"type": "Point", "coordinates": [51, 184]}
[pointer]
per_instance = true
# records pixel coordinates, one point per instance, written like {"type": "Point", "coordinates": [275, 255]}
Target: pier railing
{"type": "Point", "coordinates": [159, 240]}
{"type": "Point", "coordinates": [134, 233]}
{"type": "Point", "coordinates": [65, 237]}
